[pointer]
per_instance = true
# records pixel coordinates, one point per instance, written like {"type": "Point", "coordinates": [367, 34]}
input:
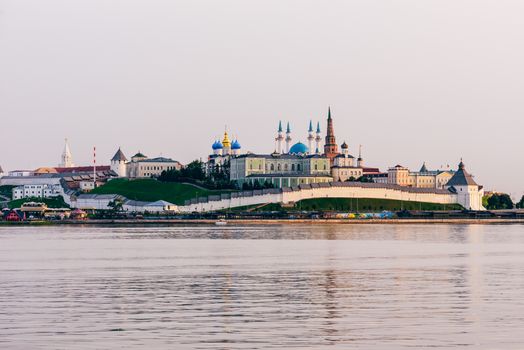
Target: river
{"type": "Point", "coordinates": [262, 287]}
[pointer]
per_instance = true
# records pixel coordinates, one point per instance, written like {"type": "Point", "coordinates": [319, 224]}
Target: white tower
{"type": "Point", "coordinates": [469, 194]}
{"type": "Point", "coordinates": [318, 139]}
{"type": "Point", "coordinates": [118, 163]}
{"type": "Point", "coordinates": [310, 137]}
{"type": "Point", "coordinates": [280, 138]}
{"type": "Point", "coordinates": [288, 138]}
{"type": "Point", "coordinates": [67, 158]}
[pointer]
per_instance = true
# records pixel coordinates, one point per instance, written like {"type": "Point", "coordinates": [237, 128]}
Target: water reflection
{"type": "Point", "coordinates": [253, 287]}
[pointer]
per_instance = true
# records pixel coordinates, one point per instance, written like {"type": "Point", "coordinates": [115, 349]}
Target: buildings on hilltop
{"type": "Point", "coordinates": [295, 164]}
{"type": "Point", "coordinates": [141, 166]}
{"type": "Point", "coordinates": [222, 153]}
{"type": "Point", "coordinates": [424, 178]}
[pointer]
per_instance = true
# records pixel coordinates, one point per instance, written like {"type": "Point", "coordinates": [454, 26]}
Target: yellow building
{"type": "Point", "coordinates": [424, 178]}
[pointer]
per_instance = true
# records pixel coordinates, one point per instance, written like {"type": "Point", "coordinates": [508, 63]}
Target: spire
{"type": "Point", "coordinates": [280, 126]}
{"type": "Point", "coordinates": [67, 157]}
{"type": "Point", "coordinates": [424, 169]}
{"type": "Point", "coordinates": [310, 126]}
{"type": "Point", "coordinates": [288, 128]}
{"type": "Point", "coordinates": [359, 152]}
{"type": "Point", "coordinates": [318, 127]}
{"type": "Point", "coordinates": [330, 146]}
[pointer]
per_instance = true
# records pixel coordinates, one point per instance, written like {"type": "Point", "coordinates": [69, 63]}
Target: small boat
{"type": "Point", "coordinates": [221, 222]}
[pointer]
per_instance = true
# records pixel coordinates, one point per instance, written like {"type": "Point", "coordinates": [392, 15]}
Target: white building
{"type": "Point", "coordinates": [468, 192]}
{"type": "Point", "coordinates": [149, 207]}
{"type": "Point", "coordinates": [150, 167]}
{"type": "Point", "coordinates": [36, 190]}
{"type": "Point", "coordinates": [118, 163]}
{"type": "Point", "coordinates": [20, 173]}
{"type": "Point", "coordinates": [95, 201]}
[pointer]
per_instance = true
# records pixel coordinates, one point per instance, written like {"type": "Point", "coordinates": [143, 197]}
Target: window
{"type": "Point", "coordinates": [278, 167]}
{"type": "Point", "coordinates": [292, 167]}
{"type": "Point", "coordinates": [298, 167]}
{"type": "Point", "coordinates": [272, 167]}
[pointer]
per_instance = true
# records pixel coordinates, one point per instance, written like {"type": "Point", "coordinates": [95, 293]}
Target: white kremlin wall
{"type": "Point", "coordinates": [294, 195]}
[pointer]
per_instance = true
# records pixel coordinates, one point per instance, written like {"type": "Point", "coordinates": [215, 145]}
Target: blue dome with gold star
{"type": "Point", "coordinates": [299, 148]}
{"type": "Point", "coordinates": [236, 145]}
{"type": "Point", "coordinates": [217, 145]}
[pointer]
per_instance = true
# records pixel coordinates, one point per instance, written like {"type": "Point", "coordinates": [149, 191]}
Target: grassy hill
{"type": "Point", "coordinates": [151, 190]}
{"type": "Point", "coordinates": [54, 202]}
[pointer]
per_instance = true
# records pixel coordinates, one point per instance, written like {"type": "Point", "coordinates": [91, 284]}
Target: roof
{"type": "Point", "coordinates": [139, 155]}
{"type": "Point", "coordinates": [344, 156]}
{"type": "Point", "coordinates": [461, 178]}
{"type": "Point", "coordinates": [158, 160]}
{"type": "Point", "coordinates": [424, 169]}
{"type": "Point", "coordinates": [159, 203]}
{"type": "Point", "coordinates": [100, 196]}
{"type": "Point", "coordinates": [289, 175]}
{"type": "Point", "coordinates": [298, 148]}
{"type": "Point", "coordinates": [83, 169]}
{"type": "Point", "coordinates": [119, 156]}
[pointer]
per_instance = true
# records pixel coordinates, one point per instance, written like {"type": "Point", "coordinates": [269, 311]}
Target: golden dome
{"type": "Point", "coordinates": [226, 142]}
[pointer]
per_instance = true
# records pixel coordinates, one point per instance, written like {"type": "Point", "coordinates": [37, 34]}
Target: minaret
{"type": "Point", "coordinates": [330, 147]}
{"type": "Point", "coordinates": [288, 138]}
{"type": "Point", "coordinates": [360, 160]}
{"type": "Point", "coordinates": [280, 138]}
{"type": "Point", "coordinates": [67, 158]}
{"type": "Point", "coordinates": [310, 137]}
{"type": "Point", "coordinates": [318, 139]}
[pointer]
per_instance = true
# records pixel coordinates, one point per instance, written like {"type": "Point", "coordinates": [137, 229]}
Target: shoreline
{"type": "Point", "coordinates": [237, 222]}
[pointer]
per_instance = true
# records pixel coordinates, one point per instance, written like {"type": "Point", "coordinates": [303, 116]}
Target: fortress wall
{"type": "Point", "coordinates": [375, 193]}
{"type": "Point", "coordinates": [327, 192]}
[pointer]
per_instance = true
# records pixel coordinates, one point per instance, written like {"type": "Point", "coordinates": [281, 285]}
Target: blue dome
{"type": "Point", "coordinates": [236, 145]}
{"type": "Point", "coordinates": [217, 145]}
{"type": "Point", "coordinates": [299, 148]}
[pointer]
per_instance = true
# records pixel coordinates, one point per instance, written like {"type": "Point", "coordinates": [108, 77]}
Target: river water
{"type": "Point", "coordinates": [262, 287]}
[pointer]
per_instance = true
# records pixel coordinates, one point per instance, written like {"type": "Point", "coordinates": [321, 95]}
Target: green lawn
{"type": "Point", "coordinates": [150, 190]}
{"type": "Point", "coordinates": [369, 205]}
{"type": "Point", "coordinates": [350, 205]}
{"type": "Point", "coordinates": [55, 202]}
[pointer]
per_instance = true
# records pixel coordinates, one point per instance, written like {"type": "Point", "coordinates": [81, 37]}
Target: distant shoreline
{"type": "Point", "coordinates": [236, 222]}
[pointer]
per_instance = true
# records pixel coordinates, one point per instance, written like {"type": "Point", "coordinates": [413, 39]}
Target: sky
{"type": "Point", "coordinates": [411, 81]}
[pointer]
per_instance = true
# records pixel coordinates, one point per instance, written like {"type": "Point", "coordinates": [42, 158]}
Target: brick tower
{"type": "Point", "coordinates": [330, 146]}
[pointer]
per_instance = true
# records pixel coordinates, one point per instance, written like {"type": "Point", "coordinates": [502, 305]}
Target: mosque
{"type": "Point", "coordinates": [292, 164]}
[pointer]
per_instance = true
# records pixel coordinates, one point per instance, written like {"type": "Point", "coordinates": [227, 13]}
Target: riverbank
{"type": "Point", "coordinates": [234, 222]}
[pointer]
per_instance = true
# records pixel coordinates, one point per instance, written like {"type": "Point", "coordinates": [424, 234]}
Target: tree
{"type": "Point", "coordinates": [520, 204]}
{"type": "Point", "coordinates": [116, 205]}
{"type": "Point", "coordinates": [500, 201]}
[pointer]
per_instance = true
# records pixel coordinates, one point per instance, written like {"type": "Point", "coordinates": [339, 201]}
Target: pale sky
{"type": "Point", "coordinates": [411, 81]}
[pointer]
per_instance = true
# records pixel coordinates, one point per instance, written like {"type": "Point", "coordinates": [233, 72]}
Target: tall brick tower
{"type": "Point", "coordinates": [330, 146]}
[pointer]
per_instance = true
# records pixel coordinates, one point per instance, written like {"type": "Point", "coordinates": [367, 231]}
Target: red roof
{"type": "Point", "coordinates": [371, 170]}
{"type": "Point", "coordinates": [82, 169]}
